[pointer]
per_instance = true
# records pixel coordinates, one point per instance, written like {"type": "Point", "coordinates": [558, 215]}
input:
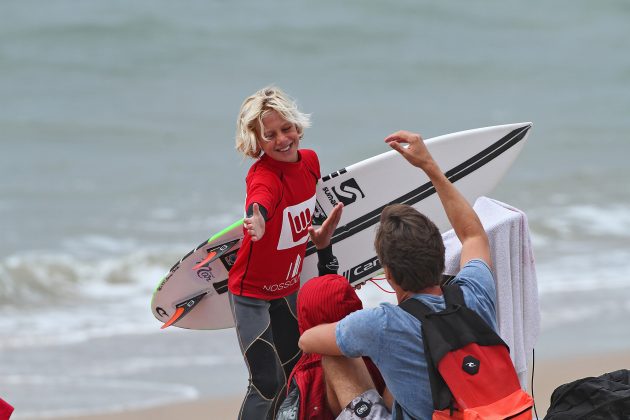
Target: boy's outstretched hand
{"type": "Point", "coordinates": [321, 237]}
{"type": "Point", "coordinates": [255, 225]}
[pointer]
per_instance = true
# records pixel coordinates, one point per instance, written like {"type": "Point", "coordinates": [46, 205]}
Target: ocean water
{"type": "Point", "coordinates": [116, 157]}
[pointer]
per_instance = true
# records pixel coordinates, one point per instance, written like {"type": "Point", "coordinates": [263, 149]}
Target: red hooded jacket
{"type": "Point", "coordinates": [323, 300]}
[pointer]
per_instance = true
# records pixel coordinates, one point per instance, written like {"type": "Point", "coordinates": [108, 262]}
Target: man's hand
{"type": "Point", "coordinates": [255, 225]}
{"type": "Point", "coordinates": [417, 153]}
{"type": "Point", "coordinates": [321, 237]}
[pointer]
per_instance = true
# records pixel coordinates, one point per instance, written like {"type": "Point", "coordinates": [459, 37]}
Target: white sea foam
{"type": "Point", "coordinates": [610, 220]}
{"type": "Point", "coordinates": [60, 298]}
{"type": "Point", "coordinates": [99, 286]}
{"type": "Point", "coordinates": [137, 365]}
{"type": "Point", "coordinates": [98, 245]}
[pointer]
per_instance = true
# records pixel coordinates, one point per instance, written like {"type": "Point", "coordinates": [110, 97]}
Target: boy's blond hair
{"type": "Point", "coordinates": [255, 108]}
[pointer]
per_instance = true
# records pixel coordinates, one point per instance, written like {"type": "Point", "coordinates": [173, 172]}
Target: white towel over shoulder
{"type": "Point", "coordinates": [514, 270]}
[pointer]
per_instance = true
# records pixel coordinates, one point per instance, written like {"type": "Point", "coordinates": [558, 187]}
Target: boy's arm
{"type": "Point", "coordinates": [321, 340]}
{"type": "Point", "coordinates": [463, 218]}
{"type": "Point", "coordinates": [321, 237]}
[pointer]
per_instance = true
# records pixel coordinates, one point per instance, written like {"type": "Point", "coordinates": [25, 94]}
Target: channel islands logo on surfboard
{"type": "Point", "coordinates": [295, 222]}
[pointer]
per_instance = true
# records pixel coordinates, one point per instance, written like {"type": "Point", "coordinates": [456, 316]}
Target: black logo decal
{"type": "Point", "coordinates": [348, 191]}
{"type": "Point", "coordinates": [362, 408]}
{"type": "Point", "coordinates": [333, 265]}
{"type": "Point", "coordinates": [161, 312]}
{"type": "Point", "coordinates": [330, 196]}
{"type": "Point", "coordinates": [319, 216]}
{"type": "Point", "coordinates": [334, 174]}
{"type": "Point", "coordinates": [363, 270]}
{"type": "Point", "coordinates": [221, 249]}
{"type": "Point", "coordinates": [470, 365]}
{"type": "Point", "coordinates": [229, 259]}
{"type": "Point", "coordinates": [175, 266]}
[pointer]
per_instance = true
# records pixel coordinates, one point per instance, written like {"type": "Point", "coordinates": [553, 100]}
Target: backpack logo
{"type": "Point", "coordinates": [362, 409]}
{"type": "Point", "coordinates": [470, 365]}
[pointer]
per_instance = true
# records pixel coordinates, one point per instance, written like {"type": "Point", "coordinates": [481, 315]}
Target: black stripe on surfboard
{"type": "Point", "coordinates": [427, 189]}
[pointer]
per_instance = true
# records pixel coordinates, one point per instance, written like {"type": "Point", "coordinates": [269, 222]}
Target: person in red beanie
{"type": "Point", "coordinates": [324, 299]}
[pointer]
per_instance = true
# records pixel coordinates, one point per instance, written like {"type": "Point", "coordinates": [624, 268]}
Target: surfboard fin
{"type": "Point", "coordinates": [215, 253]}
{"type": "Point", "coordinates": [205, 261]}
{"type": "Point", "coordinates": [183, 308]}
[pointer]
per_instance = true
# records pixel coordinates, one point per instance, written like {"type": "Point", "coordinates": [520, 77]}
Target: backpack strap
{"type": "Point", "coordinates": [440, 393]}
{"type": "Point", "coordinates": [453, 295]}
{"type": "Point", "coordinates": [399, 411]}
{"type": "Point", "coordinates": [416, 308]}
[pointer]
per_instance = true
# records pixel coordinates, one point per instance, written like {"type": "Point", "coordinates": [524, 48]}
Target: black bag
{"type": "Point", "coordinates": [605, 397]}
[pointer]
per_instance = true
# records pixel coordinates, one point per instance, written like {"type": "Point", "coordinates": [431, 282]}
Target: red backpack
{"type": "Point", "coordinates": [470, 370]}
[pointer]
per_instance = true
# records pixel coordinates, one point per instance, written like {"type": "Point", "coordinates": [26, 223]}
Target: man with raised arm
{"type": "Point", "coordinates": [410, 249]}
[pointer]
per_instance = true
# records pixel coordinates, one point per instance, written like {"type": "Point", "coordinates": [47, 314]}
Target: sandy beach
{"type": "Point", "coordinates": [549, 374]}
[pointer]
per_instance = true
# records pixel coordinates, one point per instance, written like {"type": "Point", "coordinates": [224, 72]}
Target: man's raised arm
{"type": "Point", "coordinates": [463, 218]}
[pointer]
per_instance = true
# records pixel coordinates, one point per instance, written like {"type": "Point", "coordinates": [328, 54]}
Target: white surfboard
{"type": "Point", "coordinates": [194, 292]}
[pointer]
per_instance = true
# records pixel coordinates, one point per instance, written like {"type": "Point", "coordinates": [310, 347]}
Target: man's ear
{"type": "Point", "coordinates": [387, 273]}
{"type": "Point", "coordinates": [389, 278]}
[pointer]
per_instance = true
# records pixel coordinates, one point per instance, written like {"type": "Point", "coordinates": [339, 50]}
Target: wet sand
{"type": "Point", "coordinates": [549, 374]}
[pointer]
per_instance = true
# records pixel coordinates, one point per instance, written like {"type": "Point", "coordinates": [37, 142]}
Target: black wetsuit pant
{"type": "Point", "coordinates": [268, 336]}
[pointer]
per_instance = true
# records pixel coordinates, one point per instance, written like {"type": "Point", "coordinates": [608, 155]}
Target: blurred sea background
{"type": "Point", "coordinates": [117, 157]}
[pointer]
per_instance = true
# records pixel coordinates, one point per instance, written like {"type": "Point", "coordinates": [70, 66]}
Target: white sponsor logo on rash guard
{"type": "Point", "coordinates": [295, 222]}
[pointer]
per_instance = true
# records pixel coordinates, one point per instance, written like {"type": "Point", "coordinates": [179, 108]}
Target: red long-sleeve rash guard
{"type": "Point", "coordinates": [270, 268]}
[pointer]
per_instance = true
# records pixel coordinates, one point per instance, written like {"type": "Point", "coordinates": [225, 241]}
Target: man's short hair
{"type": "Point", "coordinates": [410, 245]}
